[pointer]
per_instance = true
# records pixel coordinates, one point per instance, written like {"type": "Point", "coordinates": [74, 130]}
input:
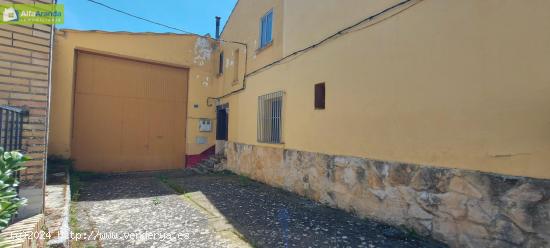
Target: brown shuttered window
{"type": "Point", "coordinates": [320, 96]}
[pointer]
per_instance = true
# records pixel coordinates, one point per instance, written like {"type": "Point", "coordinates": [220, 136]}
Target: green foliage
{"type": "Point", "coordinates": [75, 184]}
{"type": "Point", "coordinates": [10, 164]}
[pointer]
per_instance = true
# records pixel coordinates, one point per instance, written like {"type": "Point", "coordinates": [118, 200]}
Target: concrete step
{"type": "Point", "coordinates": [207, 163]}
{"type": "Point", "coordinates": [205, 166]}
{"type": "Point", "coordinates": [196, 170]}
{"type": "Point", "coordinates": [202, 169]}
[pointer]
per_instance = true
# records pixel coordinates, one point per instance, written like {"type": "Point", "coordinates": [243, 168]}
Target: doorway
{"type": "Point", "coordinates": [222, 127]}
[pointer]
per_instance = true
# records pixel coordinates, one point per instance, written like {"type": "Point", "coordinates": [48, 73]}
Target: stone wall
{"type": "Point", "coordinates": [461, 208]}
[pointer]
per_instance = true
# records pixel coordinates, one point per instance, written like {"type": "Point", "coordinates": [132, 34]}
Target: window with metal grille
{"type": "Point", "coordinates": [270, 122]}
{"type": "Point", "coordinates": [266, 24]}
{"type": "Point", "coordinates": [11, 127]}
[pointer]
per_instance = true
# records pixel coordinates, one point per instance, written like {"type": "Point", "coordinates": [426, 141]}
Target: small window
{"type": "Point", "coordinates": [270, 121]}
{"type": "Point", "coordinates": [266, 24]}
{"type": "Point", "coordinates": [236, 66]}
{"type": "Point", "coordinates": [320, 96]}
{"type": "Point", "coordinates": [220, 66]}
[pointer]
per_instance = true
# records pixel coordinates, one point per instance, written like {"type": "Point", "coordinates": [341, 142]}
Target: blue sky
{"type": "Point", "coordinates": [195, 16]}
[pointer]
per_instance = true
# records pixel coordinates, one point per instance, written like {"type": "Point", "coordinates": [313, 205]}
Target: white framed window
{"type": "Point", "coordinates": [266, 29]}
{"type": "Point", "coordinates": [270, 118]}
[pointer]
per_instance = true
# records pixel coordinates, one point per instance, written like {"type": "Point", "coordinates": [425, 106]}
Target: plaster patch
{"type": "Point", "coordinates": [203, 51]}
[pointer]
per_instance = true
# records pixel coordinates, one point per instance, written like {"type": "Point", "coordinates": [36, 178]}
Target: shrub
{"type": "Point", "coordinates": [10, 164]}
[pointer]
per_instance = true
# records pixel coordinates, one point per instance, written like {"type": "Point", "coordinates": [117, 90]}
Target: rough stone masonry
{"type": "Point", "coordinates": [462, 208]}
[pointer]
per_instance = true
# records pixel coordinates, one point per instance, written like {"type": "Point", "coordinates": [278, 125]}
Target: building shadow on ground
{"type": "Point", "coordinates": [262, 215]}
{"type": "Point", "coordinates": [269, 217]}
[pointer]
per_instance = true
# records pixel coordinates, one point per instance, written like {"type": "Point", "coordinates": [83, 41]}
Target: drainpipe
{"type": "Point", "coordinates": [218, 27]}
{"type": "Point", "coordinates": [48, 113]}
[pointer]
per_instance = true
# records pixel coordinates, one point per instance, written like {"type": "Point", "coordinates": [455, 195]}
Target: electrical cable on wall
{"type": "Point", "coordinates": [339, 33]}
{"type": "Point", "coordinates": [328, 38]}
{"type": "Point", "coordinates": [183, 31]}
{"type": "Point", "coordinates": [276, 62]}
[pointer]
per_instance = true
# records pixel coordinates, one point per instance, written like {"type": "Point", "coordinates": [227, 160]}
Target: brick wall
{"type": "Point", "coordinates": [24, 68]}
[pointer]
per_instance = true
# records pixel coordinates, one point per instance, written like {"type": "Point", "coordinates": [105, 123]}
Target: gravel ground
{"type": "Point", "coordinates": [263, 215]}
{"type": "Point", "coordinates": [270, 217]}
{"type": "Point", "coordinates": [141, 206]}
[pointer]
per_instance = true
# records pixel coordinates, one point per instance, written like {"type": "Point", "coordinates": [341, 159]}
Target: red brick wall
{"type": "Point", "coordinates": [24, 63]}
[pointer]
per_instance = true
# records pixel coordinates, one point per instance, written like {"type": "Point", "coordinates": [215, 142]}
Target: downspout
{"type": "Point", "coordinates": [48, 113]}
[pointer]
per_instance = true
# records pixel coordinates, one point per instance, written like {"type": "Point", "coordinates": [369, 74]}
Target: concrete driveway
{"type": "Point", "coordinates": [218, 210]}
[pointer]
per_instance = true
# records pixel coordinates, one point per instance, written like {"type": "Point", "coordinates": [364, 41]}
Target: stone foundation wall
{"type": "Point", "coordinates": [459, 207]}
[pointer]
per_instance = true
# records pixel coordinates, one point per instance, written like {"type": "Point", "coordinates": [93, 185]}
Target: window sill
{"type": "Point", "coordinates": [275, 145]}
{"type": "Point", "coordinates": [261, 49]}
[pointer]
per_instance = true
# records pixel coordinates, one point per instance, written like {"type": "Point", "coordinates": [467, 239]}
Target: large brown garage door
{"type": "Point", "coordinates": [128, 115]}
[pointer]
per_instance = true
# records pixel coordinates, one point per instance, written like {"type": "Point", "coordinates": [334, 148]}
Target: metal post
{"type": "Point", "coordinates": [6, 130]}
{"type": "Point", "coordinates": [12, 127]}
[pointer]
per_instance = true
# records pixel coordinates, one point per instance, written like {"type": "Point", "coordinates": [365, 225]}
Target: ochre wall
{"type": "Point", "coordinates": [244, 26]}
{"type": "Point", "coordinates": [178, 50]}
{"type": "Point", "coordinates": [461, 84]}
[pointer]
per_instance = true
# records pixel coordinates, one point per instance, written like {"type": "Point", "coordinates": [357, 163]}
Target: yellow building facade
{"type": "Point", "coordinates": [191, 53]}
{"type": "Point", "coordinates": [435, 116]}
{"type": "Point", "coordinates": [425, 85]}
{"type": "Point", "coordinates": [435, 113]}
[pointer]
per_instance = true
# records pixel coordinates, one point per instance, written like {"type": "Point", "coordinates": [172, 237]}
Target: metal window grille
{"type": "Point", "coordinates": [270, 123]}
{"type": "Point", "coordinates": [11, 127]}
